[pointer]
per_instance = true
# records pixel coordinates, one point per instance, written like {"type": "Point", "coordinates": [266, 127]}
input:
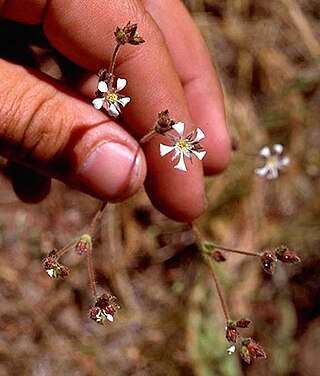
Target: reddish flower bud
{"type": "Point", "coordinates": [268, 260]}
{"type": "Point", "coordinates": [218, 256]}
{"type": "Point", "coordinates": [232, 334]}
{"type": "Point", "coordinates": [255, 350]}
{"type": "Point", "coordinates": [84, 244]}
{"type": "Point", "coordinates": [243, 323]}
{"type": "Point", "coordinates": [284, 255]}
{"type": "Point", "coordinates": [164, 123]}
{"type": "Point", "coordinates": [245, 355]}
{"type": "Point", "coordinates": [128, 34]}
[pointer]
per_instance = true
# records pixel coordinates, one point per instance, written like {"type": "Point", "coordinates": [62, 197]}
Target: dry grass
{"type": "Point", "coordinates": [267, 55]}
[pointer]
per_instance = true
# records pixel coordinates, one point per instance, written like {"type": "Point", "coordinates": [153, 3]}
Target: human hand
{"type": "Point", "coordinates": [53, 130]}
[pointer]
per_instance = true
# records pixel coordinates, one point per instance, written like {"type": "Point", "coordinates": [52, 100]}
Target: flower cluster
{"type": "Point", "coordinates": [104, 309]}
{"type": "Point", "coordinates": [269, 258]}
{"type": "Point", "coordinates": [53, 268]}
{"type": "Point", "coordinates": [248, 347]}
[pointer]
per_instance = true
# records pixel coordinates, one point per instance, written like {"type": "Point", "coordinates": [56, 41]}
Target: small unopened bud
{"type": "Point", "coordinates": [243, 323]}
{"type": "Point", "coordinates": [286, 256]}
{"type": "Point", "coordinates": [128, 34]}
{"type": "Point", "coordinates": [84, 244]}
{"type": "Point", "coordinates": [218, 256]}
{"type": "Point", "coordinates": [268, 260]}
{"type": "Point", "coordinates": [254, 349]}
{"type": "Point", "coordinates": [245, 355]}
{"type": "Point", "coordinates": [164, 123]}
{"type": "Point", "coordinates": [232, 333]}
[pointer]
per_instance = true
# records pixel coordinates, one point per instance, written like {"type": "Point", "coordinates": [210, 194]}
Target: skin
{"type": "Point", "coordinates": [52, 130]}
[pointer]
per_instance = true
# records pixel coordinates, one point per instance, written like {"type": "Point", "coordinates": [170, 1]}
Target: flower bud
{"type": "Point", "coordinates": [84, 244]}
{"type": "Point", "coordinates": [268, 260]}
{"type": "Point", "coordinates": [128, 34]}
{"type": "Point", "coordinates": [253, 348]}
{"type": "Point", "coordinates": [243, 323]}
{"type": "Point", "coordinates": [286, 256]}
{"type": "Point", "coordinates": [232, 333]}
{"type": "Point", "coordinates": [218, 256]}
{"type": "Point", "coordinates": [164, 123]}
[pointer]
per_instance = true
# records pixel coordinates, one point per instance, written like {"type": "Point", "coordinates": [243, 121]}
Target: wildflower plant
{"type": "Point", "coordinates": [183, 147]}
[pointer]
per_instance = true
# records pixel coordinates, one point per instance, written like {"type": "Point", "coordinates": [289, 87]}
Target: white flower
{"type": "Point", "coordinates": [184, 146]}
{"type": "Point", "coordinates": [111, 99]}
{"type": "Point", "coordinates": [275, 161]}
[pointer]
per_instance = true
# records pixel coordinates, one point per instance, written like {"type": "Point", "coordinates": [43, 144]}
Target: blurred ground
{"type": "Point", "coordinates": [170, 323]}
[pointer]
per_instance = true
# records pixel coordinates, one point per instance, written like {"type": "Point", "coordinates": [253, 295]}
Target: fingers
{"type": "Point", "coordinates": [56, 134]}
{"type": "Point", "coordinates": [200, 82]}
{"type": "Point", "coordinates": [83, 34]}
{"type": "Point", "coordinates": [153, 86]}
{"type": "Point", "coordinates": [28, 185]}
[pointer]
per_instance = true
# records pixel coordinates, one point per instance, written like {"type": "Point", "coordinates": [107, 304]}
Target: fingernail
{"type": "Point", "coordinates": [110, 170]}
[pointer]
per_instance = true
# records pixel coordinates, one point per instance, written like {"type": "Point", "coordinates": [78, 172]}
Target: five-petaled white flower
{"type": "Point", "coordinates": [275, 161]}
{"type": "Point", "coordinates": [184, 146]}
{"type": "Point", "coordinates": [111, 99]}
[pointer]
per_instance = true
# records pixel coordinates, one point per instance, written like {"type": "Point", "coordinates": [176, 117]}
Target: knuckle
{"type": "Point", "coordinates": [32, 122]}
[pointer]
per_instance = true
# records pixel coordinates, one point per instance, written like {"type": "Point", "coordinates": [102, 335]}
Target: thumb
{"type": "Point", "coordinates": [55, 133]}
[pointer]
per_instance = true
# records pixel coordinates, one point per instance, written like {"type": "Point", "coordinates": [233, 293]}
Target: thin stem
{"type": "Point", "coordinates": [96, 219]}
{"type": "Point", "coordinates": [63, 250]}
{"type": "Point", "coordinates": [113, 61]}
{"type": "Point", "coordinates": [148, 136]}
{"type": "Point", "coordinates": [235, 250]}
{"type": "Point", "coordinates": [218, 287]}
{"type": "Point", "coordinates": [208, 260]}
{"type": "Point", "coordinates": [91, 273]}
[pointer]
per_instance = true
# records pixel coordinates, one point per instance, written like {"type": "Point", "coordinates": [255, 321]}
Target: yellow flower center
{"type": "Point", "coordinates": [182, 144]}
{"type": "Point", "coordinates": [112, 97]}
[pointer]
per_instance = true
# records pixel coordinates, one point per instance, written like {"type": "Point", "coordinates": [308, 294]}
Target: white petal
{"type": "Point", "coordinates": [231, 350]}
{"type": "Point", "coordinates": [50, 272]}
{"type": "Point", "coordinates": [272, 173]}
{"type": "Point", "coordinates": [124, 101]}
{"type": "Point", "coordinates": [109, 317]}
{"type": "Point", "coordinates": [181, 165]}
{"type": "Point", "coordinates": [278, 148]}
{"type": "Point", "coordinates": [165, 149]}
{"type": "Point", "coordinates": [176, 155]}
{"type": "Point", "coordinates": [265, 152]}
{"type": "Point", "coordinates": [199, 154]}
{"type": "Point", "coordinates": [121, 83]}
{"type": "Point", "coordinates": [98, 103]}
{"type": "Point", "coordinates": [284, 162]}
{"type": "Point", "coordinates": [179, 128]}
{"type": "Point", "coordinates": [262, 171]}
{"type": "Point", "coordinates": [200, 135]}
{"type": "Point", "coordinates": [113, 111]}
{"type": "Point", "coordinates": [102, 86]}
